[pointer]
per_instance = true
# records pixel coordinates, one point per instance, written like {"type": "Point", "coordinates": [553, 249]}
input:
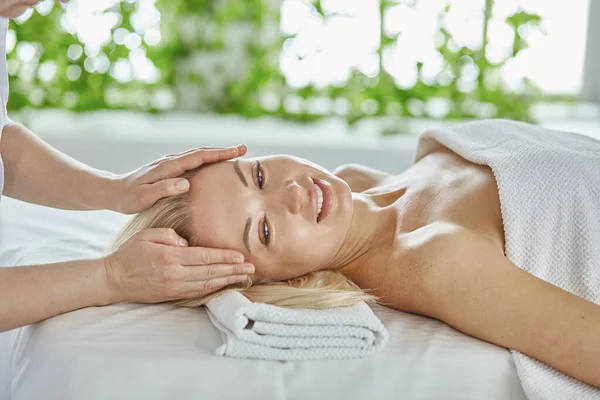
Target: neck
{"type": "Point", "coordinates": [371, 232]}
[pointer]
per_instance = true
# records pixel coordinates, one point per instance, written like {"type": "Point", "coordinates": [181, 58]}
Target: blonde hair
{"type": "Point", "coordinates": [317, 290]}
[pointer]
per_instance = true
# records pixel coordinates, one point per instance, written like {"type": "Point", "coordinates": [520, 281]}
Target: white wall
{"type": "Point", "coordinates": [119, 141]}
{"type": "Point", "coordinates": [122, 141]}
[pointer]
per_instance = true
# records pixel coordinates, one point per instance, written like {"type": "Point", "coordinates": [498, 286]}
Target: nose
{"type": "Point", "coordinates": [293, 197]}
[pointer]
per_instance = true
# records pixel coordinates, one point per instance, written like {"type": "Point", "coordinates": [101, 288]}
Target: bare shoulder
{"type": "Point", "coordinates": [474, 288]}
{"type": "Point", "coordinates": [448, 252]}
{"type": "Point", "coordinates": [424, 262]}
{"type": "Point", "coordinates": [430, 268]}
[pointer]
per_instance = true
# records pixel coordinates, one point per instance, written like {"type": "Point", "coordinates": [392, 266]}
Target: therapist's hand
{"type": "Point", "coordinates": [156, 265]}
{"type": "Point", "coordinates": [140, 189]}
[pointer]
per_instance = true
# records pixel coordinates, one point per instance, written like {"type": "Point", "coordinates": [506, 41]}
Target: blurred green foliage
{"type": "Point", "coordinates": [83, 87]}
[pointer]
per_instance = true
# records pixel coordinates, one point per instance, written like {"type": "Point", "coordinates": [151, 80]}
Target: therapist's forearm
{"type": "Point", "coordinates": [37, 173]}
{"type": "Point", "coordinates": [34, 293]}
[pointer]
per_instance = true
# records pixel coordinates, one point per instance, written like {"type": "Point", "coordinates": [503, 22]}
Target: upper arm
{"type": "Point", "coordinates": [14, 151]}
{"type": "Point", "coordinates": [488, 297]}
{"type": "Point", "coordinates": [359, 177]}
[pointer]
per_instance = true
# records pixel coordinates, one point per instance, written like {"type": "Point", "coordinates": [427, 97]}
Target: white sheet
{"type": "Point", "coordinates": [128, 351]}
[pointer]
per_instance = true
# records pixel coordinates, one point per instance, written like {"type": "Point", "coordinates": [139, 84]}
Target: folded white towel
{"type": "Point", "coordinates": [264, 331]}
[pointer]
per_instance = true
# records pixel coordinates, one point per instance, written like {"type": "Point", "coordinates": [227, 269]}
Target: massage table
{"type": "Point", "coordinates": [134, 351]}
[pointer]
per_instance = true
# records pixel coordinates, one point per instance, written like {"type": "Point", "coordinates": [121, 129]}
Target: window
{"type": "Point", "coordinates": [591, 81]}
{"type": "Point", "coordinates": [324, 49]}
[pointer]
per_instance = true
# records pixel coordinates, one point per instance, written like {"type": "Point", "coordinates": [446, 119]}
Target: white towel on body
{"type": "Point", "coordinates": [549, 190]}
{"type": "Point", "coordinates": [264, 331]}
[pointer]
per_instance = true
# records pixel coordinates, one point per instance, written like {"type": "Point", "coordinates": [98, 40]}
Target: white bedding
{"type": "Point", "coordinates": [128, 351]}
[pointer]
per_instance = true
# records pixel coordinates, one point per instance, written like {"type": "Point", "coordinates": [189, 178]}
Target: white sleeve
{"type": "Point", "coordinates": [3, 73]}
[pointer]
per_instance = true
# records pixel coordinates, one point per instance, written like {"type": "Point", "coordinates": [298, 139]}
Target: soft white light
{"type": "Point", "coordinates": [90, 64]}
{"type": "Point", "coordinates": [74, 52]}
{"type": "Point", "coordinates": [12, 67]}
{"type": "Point", "coordinates": [318, 105]}
{"type": "Point", "coordinates": [11, 40]}
{"type": "Point", "coordinates": [341, 106]}
{"type": "Point", "coordinates": [444, 78]}
{"type": "Point", "coordinates": [133, 41]}
{"type": "Point", "coordinates": [143, 69]}
{"type": "Point", "coordinates": [146, 16]}
{"type": "Point", "coordinates": [293, 14]}
{"type": "Point", "coordinates": [416, 107]}
{"type": "Point", "coordinates": [292, 104]}
{"type": "Point", "coordinates": [103, 63]}
{"type": "Point", "coordinates": [47, 71]}
{"type": "Point", "coordinates": [163, 99]}
{"type": "Point", "coordinates": [36, 96]}
{"type": "Point", "coordinates": [329, 48]}
{"type": "Point", "coordinates": [269, 100]}
{"type": "Point", "coordinates": [432, 66]}
{"type": "Point", "coordinates": [73, 72]}
{"type": "Point", "coordinates": [369, 107]}
{"type": "Point", "coordinates": [152, 36]}
{"type": "Point", "coordinates": [70, 99]}
{"type": "Point", "coordinates": [554, 62]}
{"type": "Point", "coordinates": [119, 35]}
{"type": "Point", "coordinates": [25, 51]}
{"type": "Point", "coordinates": [45, 7]}
{"type": "Point", "coordinates": [438, 107]}
{"type": "Point", "coordinates": [369, 65]}
{"type": "Point", "coordinates": [113, 96]}
{"type": "Point", "coordinates": [121, 70]}
{"type": "Point", "coordinates": [91, 49]}
{"type": "Point", "coordinates": [24, 17]}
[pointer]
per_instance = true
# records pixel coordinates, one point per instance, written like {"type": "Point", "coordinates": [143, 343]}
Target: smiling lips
{"type": "Point", "coordinates": [322, 198]}
{"type": "Point", "coordinates": [319, 199]}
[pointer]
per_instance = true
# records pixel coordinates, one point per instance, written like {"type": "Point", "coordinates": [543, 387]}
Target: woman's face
{"type": "Point", "coordinates": [268, 208]}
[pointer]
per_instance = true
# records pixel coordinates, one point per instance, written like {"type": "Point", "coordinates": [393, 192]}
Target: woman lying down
{"type": "Point", "coordinates": [494, 230]}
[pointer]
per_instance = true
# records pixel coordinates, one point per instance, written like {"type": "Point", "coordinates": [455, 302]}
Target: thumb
{"type": "Point", "coordinates": [167, 188]}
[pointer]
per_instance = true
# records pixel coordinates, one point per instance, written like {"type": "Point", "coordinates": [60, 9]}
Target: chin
{"type": "Point", "coordinates": [346, 201]}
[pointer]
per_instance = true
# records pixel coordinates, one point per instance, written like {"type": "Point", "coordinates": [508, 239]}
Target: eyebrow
{"type": "Point", "coordinates": [246, 234]}
{"type": "Point", "coordinates": [236, 166]}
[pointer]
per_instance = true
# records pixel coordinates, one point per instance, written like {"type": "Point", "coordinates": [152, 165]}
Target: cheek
{"type": "Point", "coordinates": [217, 240]}
{"type": "Point", "coordinates": [303, 243]}
{"type": "Point", "coordinates": [303, 251]}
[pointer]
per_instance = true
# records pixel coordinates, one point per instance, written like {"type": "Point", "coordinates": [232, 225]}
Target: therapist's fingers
{"type": "Point", "coordinates": [206, 256]}
{"type": "Point", "coordinates": [202, 288]}
{"type": "Point", "coordinates": [166, 236]}
{"type": "Point", "coordinates": [165, 188]}
{"type": "Point", "coordinates": [193, 159]}
{"type": "Point", "coordinates": [174, 155]}
{"type": "Point", "coordinates": [207, 272]}
{"type": "Point", "coordinates": [175, 166]}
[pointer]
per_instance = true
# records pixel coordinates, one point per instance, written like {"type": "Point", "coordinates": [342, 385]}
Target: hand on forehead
{"type": "Point", "coordinates": [217, 209]}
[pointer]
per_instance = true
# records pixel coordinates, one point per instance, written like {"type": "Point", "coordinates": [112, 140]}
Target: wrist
{"type": "Point", "coordinates": [109, 193]}
{"type": "Point", "coordinates": [111, 290]}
